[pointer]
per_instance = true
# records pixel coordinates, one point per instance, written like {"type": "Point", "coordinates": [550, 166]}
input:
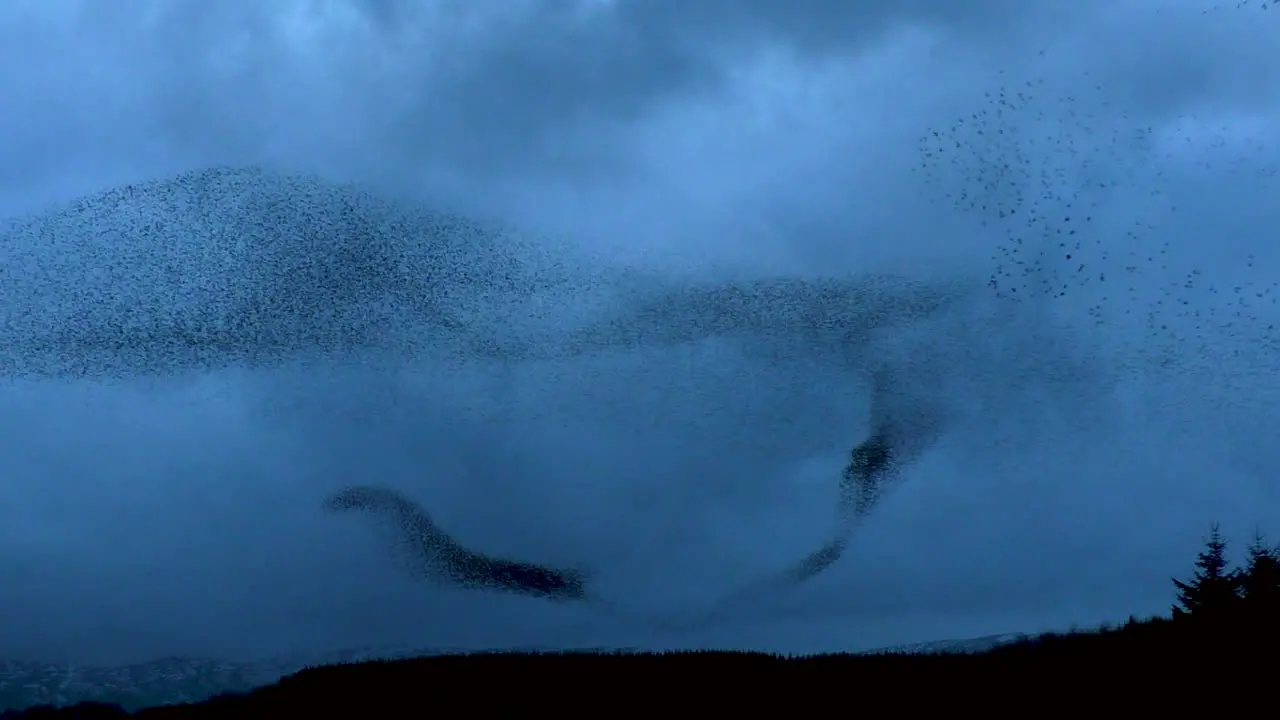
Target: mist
{"type": "Point", "coordinates": [607, 286]}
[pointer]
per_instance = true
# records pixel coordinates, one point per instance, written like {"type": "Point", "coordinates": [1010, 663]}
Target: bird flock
{"type": "Point", "coordinates": [1079, 202]}
{"type": "Point", "coordinates": [245, 267]}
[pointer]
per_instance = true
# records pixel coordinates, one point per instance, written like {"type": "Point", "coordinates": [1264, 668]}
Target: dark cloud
{"type": "Point", "coordinates": [546, 72]}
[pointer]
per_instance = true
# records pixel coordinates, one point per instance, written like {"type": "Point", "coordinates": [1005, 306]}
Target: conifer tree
{"type": "Point", "coordinates": [1260, 580]}
{"type": "Point", "coordinates": [1214, 589]}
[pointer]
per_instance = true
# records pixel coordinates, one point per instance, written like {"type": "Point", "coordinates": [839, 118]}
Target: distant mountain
{"type": "Point", "coordinates": [176, 680]}
{"type": "Point", "coordinates": [161, 682]}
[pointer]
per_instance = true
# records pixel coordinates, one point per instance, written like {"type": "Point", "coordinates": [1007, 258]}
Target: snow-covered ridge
{"type": "Point", "coordinates": [968, 645]}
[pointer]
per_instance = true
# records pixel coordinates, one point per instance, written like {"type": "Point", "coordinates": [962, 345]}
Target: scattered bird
{"type": "Point", "coordinates": [1079, 204]}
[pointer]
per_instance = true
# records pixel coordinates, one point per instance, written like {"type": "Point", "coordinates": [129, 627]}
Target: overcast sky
{"type": "Point", "coordinates": [1112, 165]}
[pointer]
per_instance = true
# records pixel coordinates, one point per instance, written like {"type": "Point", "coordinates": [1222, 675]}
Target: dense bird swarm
{"type": "Point", "coordinates": [247, 267]}
{"type": "Point", "coordinates": [235, 266]}
{"type": "Point", "coordinates": [433, 554]}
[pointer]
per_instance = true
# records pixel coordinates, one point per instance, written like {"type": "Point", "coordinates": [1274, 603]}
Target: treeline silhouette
{"type": "Point", "coordinates": [1219, 638]}
{"type": "Point", "coordinates": [1217, 592]}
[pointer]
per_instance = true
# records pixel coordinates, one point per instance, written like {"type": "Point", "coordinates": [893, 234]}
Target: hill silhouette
{"type": "Point", "coordinates": [1223, 622]}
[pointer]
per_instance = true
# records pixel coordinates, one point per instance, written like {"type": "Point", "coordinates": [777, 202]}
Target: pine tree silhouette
{"type": "Point", "coordinates": [1214, 590]}
{"type": "Point", "coordinates": [1260, 581]}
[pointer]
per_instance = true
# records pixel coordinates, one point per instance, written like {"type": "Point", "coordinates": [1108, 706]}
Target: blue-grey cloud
{"type": "Point", "coordinates": [1093, 429]}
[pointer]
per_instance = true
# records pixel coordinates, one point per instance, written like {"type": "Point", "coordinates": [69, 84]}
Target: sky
{"type": "Point", "coordinates": [1098, 177]}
